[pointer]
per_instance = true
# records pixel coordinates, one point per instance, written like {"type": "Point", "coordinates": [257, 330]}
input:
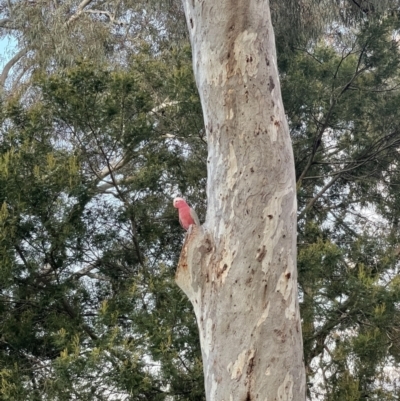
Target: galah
{"type": "Point", "coordinates": [187, 215]}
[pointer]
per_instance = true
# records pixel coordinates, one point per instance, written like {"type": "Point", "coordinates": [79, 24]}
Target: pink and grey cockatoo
{"type": "Point", "coordinates": [187, 215]}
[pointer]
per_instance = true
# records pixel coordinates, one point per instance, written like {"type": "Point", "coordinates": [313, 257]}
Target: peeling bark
{"type": "Point", "coordinates": [239, 269]}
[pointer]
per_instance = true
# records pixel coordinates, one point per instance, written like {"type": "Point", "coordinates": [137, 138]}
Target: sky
{"type": "Point", "coordinates": [7, 46]}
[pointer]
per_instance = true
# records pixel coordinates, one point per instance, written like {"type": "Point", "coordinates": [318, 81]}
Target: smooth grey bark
{"type": "Point", "coordinates": [239, 268]}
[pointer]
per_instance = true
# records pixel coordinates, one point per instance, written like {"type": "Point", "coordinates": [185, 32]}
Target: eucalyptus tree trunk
{"type": "Point", "coordinates": [239, 268]}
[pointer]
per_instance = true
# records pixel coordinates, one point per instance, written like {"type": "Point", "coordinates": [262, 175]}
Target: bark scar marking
{"type": "Point", "coordinates": [249, 373]}
{"type": "Point", "coordinates": [261, 254]}
{"type": "Point", "coordinates": [220, 272]}
{"type": "Point", "coordinates": [271, 84]}
{"type": "Point", "coordinates": [280, 334]}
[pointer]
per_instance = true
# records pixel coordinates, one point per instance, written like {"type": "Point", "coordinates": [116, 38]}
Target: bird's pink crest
{"type": "Point", "coordinates": [179, 202]}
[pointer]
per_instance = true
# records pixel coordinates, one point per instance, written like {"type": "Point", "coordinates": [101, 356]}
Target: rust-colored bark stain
{"type": "Point", "coordinates": [231, 64]}
{"type": "Point", "coordinates": [183, 268]}
{"type": "Point", "coordinates": [182, 265]}
{"type": "Point", "coordinates": [221, 271]}
{"type": "Point", "coordinates": [249, 377]}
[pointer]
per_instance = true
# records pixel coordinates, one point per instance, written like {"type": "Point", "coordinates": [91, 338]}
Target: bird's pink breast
{"type": "Point", "coordinates": [185, 218]}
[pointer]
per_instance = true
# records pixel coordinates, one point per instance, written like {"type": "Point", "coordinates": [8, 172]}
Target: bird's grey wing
{"type": "Point", "coordinates": [194, 217]}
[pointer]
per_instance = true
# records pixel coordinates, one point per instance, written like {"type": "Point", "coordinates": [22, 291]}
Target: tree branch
{"type": "Point", "coordinates": [163, 105]}
{"type": "Point", "coordinates": [316, 145]}
{"type": "Point", "coordinates": [79, 11]}
{"type": "Point", "coordinates": [85, 271]}
{"type": "Point", "coordinates": [9, 65]}
{"type": "Point", "coordinates": [316, 197]}
{"type": "Point", "coordinates": [365, 10]}
{"type": "Point", "coordinates": [3, 22]}
{"type": "Point", "coordinates": [108, 14]}
{"type": "Point", "coordinates": [73, 315]}
{"type": "Point", "coordinates": [360, 161]}
{"type": "Point", "coordinates": [318, 137]}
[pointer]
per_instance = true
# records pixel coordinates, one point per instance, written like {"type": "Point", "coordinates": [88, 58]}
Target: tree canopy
{"type": "Point", "coordinates": [89, 237]}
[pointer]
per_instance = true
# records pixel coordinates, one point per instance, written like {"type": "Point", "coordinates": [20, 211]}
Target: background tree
{"type": "Point", "coordinates": [346, 147]}
{"type": "Point", "coordinates": [89, 309]}
{"type": "Point", "coordinates": [51, 35]}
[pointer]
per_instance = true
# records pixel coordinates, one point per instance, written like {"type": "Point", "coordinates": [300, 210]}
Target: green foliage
{"type": "Point", "coordinates": [343, 104]}
{"type": "Point", "coordinates": [89, 239]}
